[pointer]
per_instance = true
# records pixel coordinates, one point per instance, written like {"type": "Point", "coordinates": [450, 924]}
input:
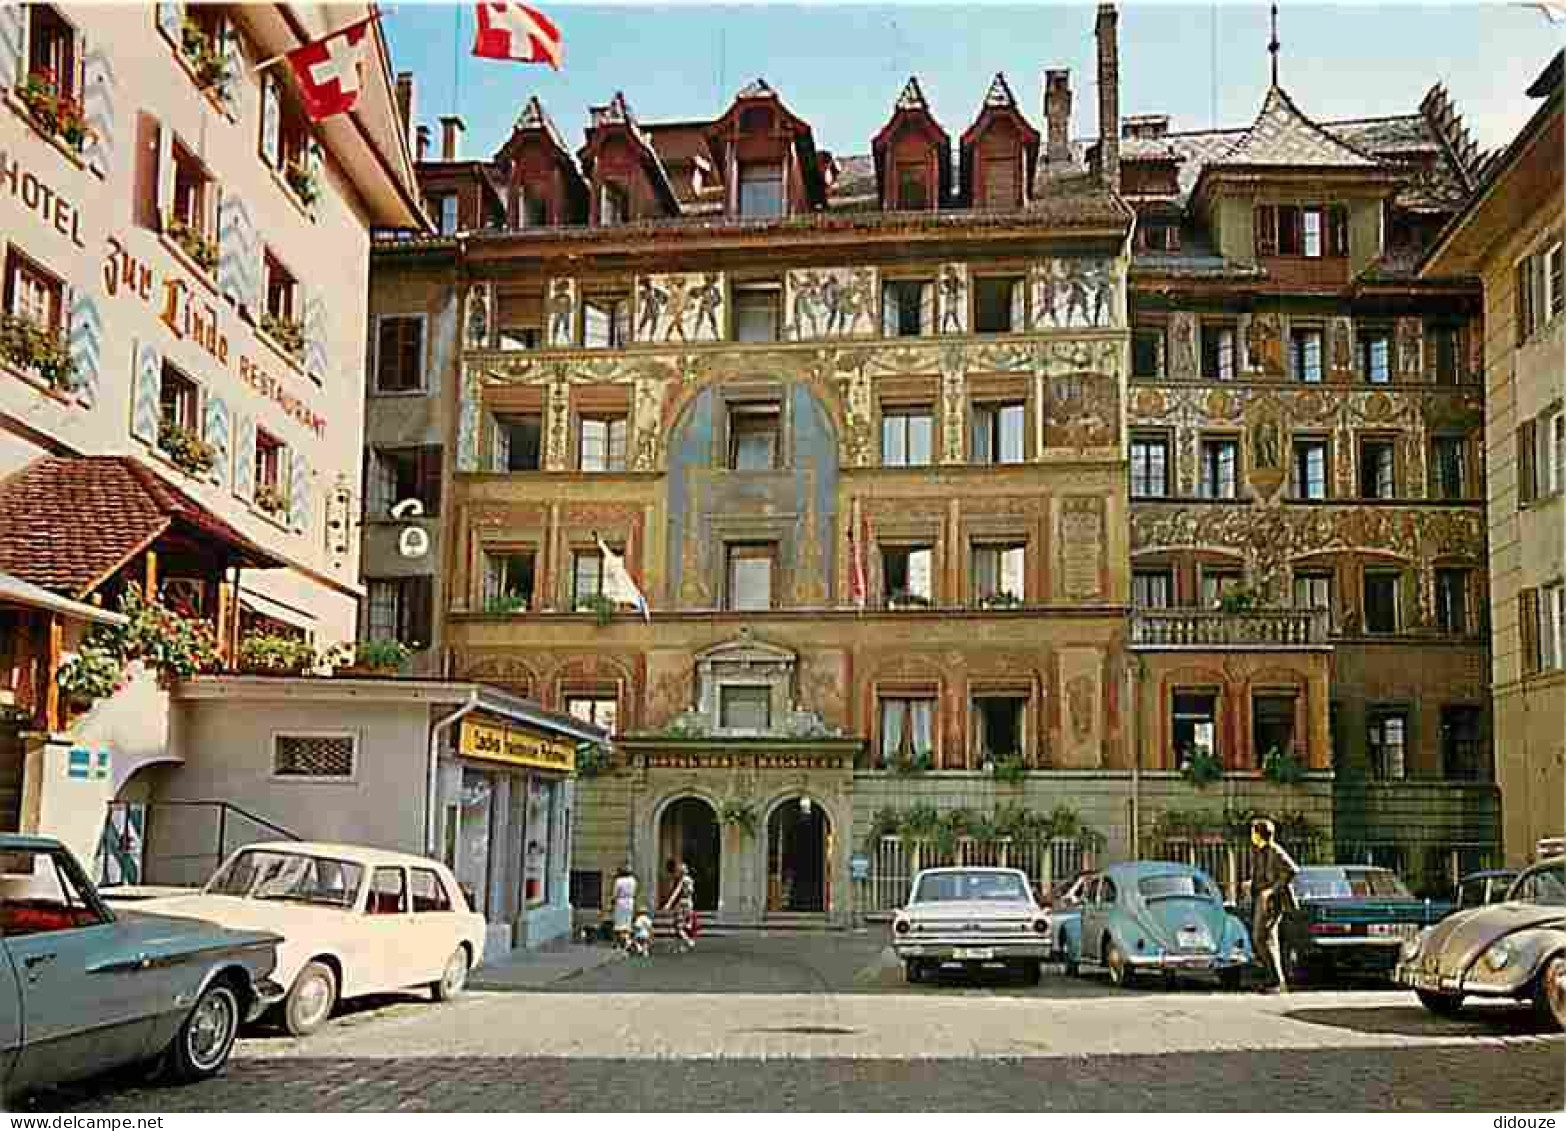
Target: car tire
{"type": "Point", "coordinates": [1230, 980]}
{"type": "Point", "coordinates": [1549, 992]}
{"type": "Point", "coordinates": [1119, 969]}
{"type": "Point", "coordinates": [454, 978]}
{"type": "Point", "coordinates": [1442, 1005]}
{"type": "Point", "coordinates": [1066, 959]}
{"type": "Point", "coordinates": [200, 1049]}
{"type": "Point", "coordinates": [311, 999]}
{"type": "Point", "coordinates": [1032, 971]}
{"type": "Point", "coordinates": [913, 971]}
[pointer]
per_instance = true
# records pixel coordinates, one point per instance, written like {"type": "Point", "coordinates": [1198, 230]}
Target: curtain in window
{"type": "Point", "coordinates": [892, 711]}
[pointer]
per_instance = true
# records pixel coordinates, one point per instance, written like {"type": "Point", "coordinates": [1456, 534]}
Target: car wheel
{"type": "Point", "coordinates": [454, 979]}
{"type": "Point", "coordinates": [1442, 1005]}
{"type": "Point", "coordinates": [310, 1002]}
{"type": "Point", "coordinates": [1229, 980]}
{"type": "Point", "coordinates": [1119, 968]}
{"type": "Point", "coordinates": [1549, 992]}
{"type": "Point", "coordinates": [1066, 958]}
{"type": "Point", "coordinates": [913, 971]}
{"type": "Point", "coordinates": [202, 1045]}
{"type": "Point", "coordinates": [1032, 971]}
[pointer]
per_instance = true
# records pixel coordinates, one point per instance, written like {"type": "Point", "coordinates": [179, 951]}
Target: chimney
{"type": "Point", "coordinates": [451, 130]}
{"type": "Point", "coordinates": [1108, 97]}
{"type": "Point", "coordinates": [421, 143]}
{"type": "Point", "coordinates": [1057, 116]}
{"type": "Point", "coordinates": [1146, 126]}
{"type": "Point", "coordinates": [405, 105]}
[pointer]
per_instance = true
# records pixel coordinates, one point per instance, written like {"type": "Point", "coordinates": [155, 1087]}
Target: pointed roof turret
{"type": "Point", "coordinates": [912, 112]}
{"type": "Point", "coordinates": [1000, 93]}
{"type": "Point", "coordinates": [912, 97]}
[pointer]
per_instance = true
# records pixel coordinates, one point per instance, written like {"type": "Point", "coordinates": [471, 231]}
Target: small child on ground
{"type": "Point", "coordinates": [641, 934]}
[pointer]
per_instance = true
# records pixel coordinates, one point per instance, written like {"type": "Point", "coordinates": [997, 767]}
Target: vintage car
{"type": "Point", "coordinates": [1154, 917]}
{"type": "Point", "coordinates": [1063, 910]}
{"type": "Point", "coordinates": [970, 918]}
{"type": "Point", "coordinates": [1480, 889]}
{"type": "Point", "coordinates": [1350, 917]}
{"type": "Point", "coordinates": [354, 921]}
{"type": "Point", "coordinates": [1512, 949]}
{"type": "Point", "coordinates": [84, 989]}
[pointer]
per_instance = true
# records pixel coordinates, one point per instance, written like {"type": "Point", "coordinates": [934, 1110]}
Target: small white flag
{"type": "Point", "coordinates": [618, 586]}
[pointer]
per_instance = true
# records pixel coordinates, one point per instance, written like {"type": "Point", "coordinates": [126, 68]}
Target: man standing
{"type": "Point", "coordinates": [1271, 896]}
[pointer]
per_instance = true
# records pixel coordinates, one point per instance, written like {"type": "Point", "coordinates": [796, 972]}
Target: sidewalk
{"type": "Point", "coordinates": [534, 969]}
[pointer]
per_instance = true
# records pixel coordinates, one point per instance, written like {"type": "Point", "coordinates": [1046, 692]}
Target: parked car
{"type": "Point", "coordinates": [1512, 949]}
{"type": "Point", "coordinates": [84, 989]}
{"type": "Point", "coordinates": [354, 921]}
{"type": "Point", "coordinates": [1350, 917]}
{"type": "Point", "coordinates": [1480, 889]}
{"type": "Point", "coordinates": [970, 918]}
{"type": "Point", "coordinates": [1157, 917]}
{"type": "Point", "coordinates": [1063, 910]}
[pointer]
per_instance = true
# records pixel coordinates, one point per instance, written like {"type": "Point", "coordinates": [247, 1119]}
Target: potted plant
{"type": "Point", "coordinates": [503, 604]}
{"type": "Point", "coordinates": [271, 499]}
{"type": "Point", "coordinates": [96, 672]}
{"type": "Point", "coordinates": [195, 243]}
{"type": "Point", "coordinates": [175, 646]}
{"type": "Point", "coordinates": [189, 452]}
{"type": "Point", "coordinates": [382, 657]}
{"type": "Point", "coordinates": [287, 332]}
{"type": "Point", "coordinates": [600, 606]}
{"type": "Point", "coordinates": [205, 54]}
{"type": "Point", "coordinates": [265, 653]}
{"type": "Point", "coordinates": [1005, 599]}
{"type": "Point", "coordinates": [1282, 767]}
{"type": "Point", "coordinates": [1240, 599]}
{"type": "Point", "coordinates": [1009, 769]}
{"type": "Point", "coordinates": [44, 351]}
{"type": "Point", "coordinates": [592, 759]}
{"type": "Point", "coordinates": [300, 176]}
{"type": "Point", "coordinates": [1200, 767]}
{"type": "Point", "coordinates": [917, 762]}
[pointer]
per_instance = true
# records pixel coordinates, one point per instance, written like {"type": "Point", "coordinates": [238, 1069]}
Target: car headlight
{"type": "Point", "coordinates": [902, 926]}
{"type": "Point", "coordinates": [1498, 956]}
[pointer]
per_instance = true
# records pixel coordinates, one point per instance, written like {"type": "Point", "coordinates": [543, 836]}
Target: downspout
{"type": "Point", "coordinates": [1134, 658]}
{"type": "Point", "coordinates": [430, 783]}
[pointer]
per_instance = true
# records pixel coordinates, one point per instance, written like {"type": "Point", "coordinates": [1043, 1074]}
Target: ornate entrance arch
{"type": "Point", "coordinates": [799, 857]}
{"type": "Point", "coordinates": [689, 833]}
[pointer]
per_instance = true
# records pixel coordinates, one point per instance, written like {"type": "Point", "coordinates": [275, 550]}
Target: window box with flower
{"type": "Point", "coordinates": [1002, 600]}
{"type": "Point", "coordinates": [302, 179]}
{"type": "Point", "coordinates": [272, 500]}
{"type": "Point", "coordinates": [53, 110]}
{"type": "Point", "coordinates": [200, 247]}
{"type": "Point", "coordinates": [287, 333]}
{"type": "Point", "coordinates": [186, 449]}
{"type": "Point", "coordinates": [206, 54]}
{"type": "Point", "coordinates": [265, 653]}
{"type": "Point", "coordinates": [38, 349]}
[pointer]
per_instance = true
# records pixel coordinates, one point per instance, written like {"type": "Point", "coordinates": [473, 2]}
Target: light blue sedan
{"type": "Point", "coordinates": [1155, 917]}
{"type": "Point", "coordinates": [84, 989]}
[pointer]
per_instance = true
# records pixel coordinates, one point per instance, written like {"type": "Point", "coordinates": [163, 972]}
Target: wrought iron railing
{"type": "Point", "coordinates": [895, 861]}
{"type": "Point", "coordinates": [1213, 628]}
{"type": "Point", "coordinates": [175, 843]}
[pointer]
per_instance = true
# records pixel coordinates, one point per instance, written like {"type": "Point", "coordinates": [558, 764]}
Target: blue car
{"type": "Point", "coordinates": [84, 989]}
{"type": "Point", "coordinates": [1152, 917]}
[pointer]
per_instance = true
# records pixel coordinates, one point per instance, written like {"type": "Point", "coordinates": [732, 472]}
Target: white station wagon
{"type": "Point", "coordinates": [354, 921]}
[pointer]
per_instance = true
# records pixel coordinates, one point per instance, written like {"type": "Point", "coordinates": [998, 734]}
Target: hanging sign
{"type": "Point", "coordinates": [493, 743]}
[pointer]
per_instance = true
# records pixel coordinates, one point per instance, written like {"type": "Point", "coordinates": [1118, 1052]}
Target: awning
{"type": "Point", "coordinates": [276, 610]}
{"type": "Point", "coordinates": [15, 591]}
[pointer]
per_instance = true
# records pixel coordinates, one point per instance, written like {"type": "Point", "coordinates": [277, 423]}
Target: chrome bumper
{"type": "Point", "coordinates": [1209, 962]}
{"type": "Point", "coordinates": [959, 950]}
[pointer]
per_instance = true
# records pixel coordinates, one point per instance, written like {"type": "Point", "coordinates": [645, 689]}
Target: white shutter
{"type": "Point", "coordinates": [1019, 305]}
{"type": "Point", "coordinates": [271, 121]}
{"type": "Point", "coordinates": [13, 43]}
{"type": "Point", "coordinates": [299, 509]}
{"type": "Point", "coordinates": [239, 258]}
{"type": "Point", "coordinates": [85, 336]}
{"type": "Point", "coordinates": [888, 314]}
{"type": "Point", "coordinates": [171, 21]}
{"type": "Point", "coordinates": [165, 175]}
{"type": "Point", "coordinates": [316, 355]}
{"type": "Point", "coordinates": [215, 426]}
{"type": "Point", "coordinates": [245, 457]}
{"type": "Point", "coordinates": [97, 92]}
{"type": "Point", "coordinates": [146, 393]}
{"type": "Point", "coordinates": [926, 309]}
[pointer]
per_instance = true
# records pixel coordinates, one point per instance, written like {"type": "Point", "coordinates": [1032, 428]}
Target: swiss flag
{"type": "Point", "coordinates": [329, 71]}
{"type": "Point", "coordinates": [517, 32]}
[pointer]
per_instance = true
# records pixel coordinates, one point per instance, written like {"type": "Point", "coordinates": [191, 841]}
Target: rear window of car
{"type": "Point", "coordinates": [952, 887]}
{"type": "Point", "coordinates": [1175, 887]}
{"type": "Point", "coordinates": [429, 894]}
{"type": "Point", "coordinates": [1349, 883]}
{"type": "Point", "coordinates": [1546, 885]}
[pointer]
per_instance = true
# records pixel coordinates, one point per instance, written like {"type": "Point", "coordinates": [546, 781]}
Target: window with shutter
{"type": "Point", "coordinates": [1527, 463]}
{"type": "Point", "coordinates": [148, 173]}
{"type": "Point", "coordinates": [1523, 299]}
{"type": "Point", "coordinates": [1002, 186]}
{"type": "Point", "coordinates": [399, 354]}
{"type": "Point", "coordinates": [1528, 629]}
{"type": "Point", "coordinates": [1266, 230]}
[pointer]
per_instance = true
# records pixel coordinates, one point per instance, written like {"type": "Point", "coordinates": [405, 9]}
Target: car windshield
{"type": "Point", "coordinates": [265, 874]}
{"type": "Point", "coordinates": [1349, 883]}
{"type": "Point", "coordinates": [950, 887]}
{"type": "Point", "coordinates": [1189, 886]}
{"type": "Point", "coordinates": [1544, 884]}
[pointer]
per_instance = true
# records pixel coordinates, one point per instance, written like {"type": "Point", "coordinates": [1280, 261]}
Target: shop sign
{"type": "Point", "coordinates": [39, 199]}
{"type": "Point", "coordinates": [491, 743]}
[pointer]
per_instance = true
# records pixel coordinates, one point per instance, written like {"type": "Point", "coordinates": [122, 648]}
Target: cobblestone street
{"type": "Point", "coordinates": [823, 1022]}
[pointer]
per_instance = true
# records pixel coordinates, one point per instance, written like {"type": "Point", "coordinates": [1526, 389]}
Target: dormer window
{"type": "Point", "coordinates": [534, 210]}
{"type": "Point", "coordinates": [1001, 174]}
{"type": "Point", "coordinates": [614, 204]}
{"type": "Point", "coordinates": [761, 190]}
{"type": "Point", "coordinates": [913, 190]}
{"type": "Point", "coordinates": [1311, 231]}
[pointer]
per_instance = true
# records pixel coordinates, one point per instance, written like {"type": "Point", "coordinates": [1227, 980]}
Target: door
{"type": "Point", "coordinates": [435, 932]}
{"type": "Point", "coordinates": [86, 1003]}
{"type": "Point", "coordinates": [385, 956]}
{"type": "Point", "coordinates": [1095, 917]}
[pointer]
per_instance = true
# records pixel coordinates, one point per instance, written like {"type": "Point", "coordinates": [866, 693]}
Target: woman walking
{"type": "Point", "coordinates": [624, 906]}
{"type": "Point", "coordinates": [682, 900]}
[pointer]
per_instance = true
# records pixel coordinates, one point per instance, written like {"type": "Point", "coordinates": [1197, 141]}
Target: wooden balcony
{"type": "Point", "coordinates": [1209, 629]}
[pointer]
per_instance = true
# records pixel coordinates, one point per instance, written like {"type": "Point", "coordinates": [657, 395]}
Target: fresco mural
{"type": "Point", "coordinates": [687, 308]}
{"type": "Point", "coordinates": [833, 302]}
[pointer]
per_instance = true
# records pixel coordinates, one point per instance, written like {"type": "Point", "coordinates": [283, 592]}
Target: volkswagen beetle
{"type": "Point", "coordinates": [1152, 917]}
{"type": "Point", "coordinates": [1512, 949]}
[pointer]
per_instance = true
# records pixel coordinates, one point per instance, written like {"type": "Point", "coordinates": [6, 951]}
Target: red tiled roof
{"type": "Point", "coordinates": [67, 523]}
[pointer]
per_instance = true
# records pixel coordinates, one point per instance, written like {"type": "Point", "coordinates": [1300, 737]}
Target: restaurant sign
{"type": "Point", "coordinates": [494, 743]}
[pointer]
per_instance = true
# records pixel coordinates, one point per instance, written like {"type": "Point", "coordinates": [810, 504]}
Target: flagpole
{"type": "Point", "coordinates": [278, 58]}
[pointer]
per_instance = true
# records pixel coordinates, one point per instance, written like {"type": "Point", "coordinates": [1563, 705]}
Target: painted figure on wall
{"type": "Point", "coordinates": [807, 297]}
{"type": "Point", "coordinates": [831, 303]}
{"type": "Point", "coordinates": [953, 300]}
{"type": "Point", "coordinates": [1342, 347]}
{"type": "Point", "coordinates": [1408, 347]}
{"type": "Point", "coordinates": [651, 299]}
{"type": "Point", "coordinates": [709, 302]}
{"type": "Point", "coordinates": [1103, 279]}
{"type": "Point", "coordinates": [478, 317]}
{"type": "Point", "coordinates": [562, 312]}
{"type": "Point", "coordinates": [678, 308]}
{"type": "Point", "coordinates": [1264, 438]}
{"type": "Point", "coordinates": [1262, 341]}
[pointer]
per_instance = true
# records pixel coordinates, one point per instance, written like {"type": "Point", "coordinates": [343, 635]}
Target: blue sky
{"type": "Point", "coordinates": [840, 67]}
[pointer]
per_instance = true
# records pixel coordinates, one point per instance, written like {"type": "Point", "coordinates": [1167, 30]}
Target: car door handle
{"type": "Point", "coordinates": [35, 960]}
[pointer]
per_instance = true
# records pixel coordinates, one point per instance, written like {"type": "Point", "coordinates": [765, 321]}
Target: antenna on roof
{"type": "Point", "coordinates": [1214, 69]}
{"type": "Point", "coordinates": [1272, 46]}
{"type": "Point", "coordinates": [456, 60]}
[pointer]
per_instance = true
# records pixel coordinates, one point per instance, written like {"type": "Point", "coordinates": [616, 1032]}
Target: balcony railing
{"type": "Point", "coordinates": [1211, 628]}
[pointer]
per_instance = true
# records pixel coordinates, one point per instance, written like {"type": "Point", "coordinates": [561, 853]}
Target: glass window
{"type": "Point", "coordinates": [271, 484]}
{"type": "Point", "coordinates": [388, 892]}
{"type": "Point", "coordinates": [1310, 469]}
{"type": "Point", "coordinates": [907, 437]}
{"type": "Point", "coordinates": [1220, 466]}
{"type": "Point", "coordinates": [518, 443]}
{"type": "Point", "coordinates": [1218, 353]}
{"type": "Point", "coordinates": [1551, 271]}
{"type": "Point", "coordinates": [399, 354]}
{"type": "Point", "coordinates": [753, 438]}
{"type": "Point", "coordinates": [1545, 884]}
{"type": "Point", "coordinates": [1452, 600]}
{"type": "Point", "coordinates": [587, 577]}
{"type": "Point", "coordinates": [760, 190]}
{"type": "Point", "coordinates": [429, 892]}
{"type": "Point", "coordinates": [994, 305]}
{"type": "Point", "coordinates": [600, 710]}
{"type": "Point", "coordinates": [951, 886]}
{"type": "Point", "coordinates": [606, 321]}
{"type": "Point", "coordinates": [1311, 230]}
{"type": "Point", "coordinates": [1149, 467]}
{"type": "Point", "coordinates": [1272, 725]}
{"type": "Point", "coordinates": [179, 402]}
{"type": "Point", "coordinates": [1381, 601]}
{"type": "Point", "coordinates": [43, 894]}
{"type": "Point", "coordinates": [999, 724]}
{"type": "Point", "coordinates": [1449, 466]}
{"type": "Point", "coordinates": [1554, 431]}
{"type": "Point", "coordinates": [1446, 344]}
{"type": "Point", "coordinates": [614, 205]}
{"type": "Point", "coordinates": [1193, 724]}
{"type": "Point", "coordinates": [912, 187]}
{"type": "Point", "coordinates": [1388, 739]}
{"type": "Point", "coordinates": [1461, 748]}
{"type": "Point", "coordinates": [745, 708]}
{"type": "Point", "coordinates": [51, 48]}
{"type": "Point", "coordinates": [756, 314]}
{"type": "Point", "coordinates": [1152, 589]}
{"type": "Point", "coordinates": [268, 874]}
{"type": "Point", "coordinates": [541, 836]}
{"type": "Point", "coordinates": [603, 444]}
{"type": "Point", "coordinates": [906, 574]}
{"type": "Point", "coordinates": [508, 580]}
{"type": "Point", "coordinates": [1307, 355]}
{"type": "Point", "coordinates": [907, 308]}
{"type": "Point", "coordinates": [1377, 469]}
{"type": "Point", "coordinates": [907, 730]}
{"type": "Point", "coordinates": [1217, 582]}
{"type": "Point", "coordinates": [999, 572]}
{"type": "Point", "coordinates": [1147, 353]}
{"type": "Point", "coordinates": [195, 203]}
{"type": "Point", "coordinates": [1313, 591]}
{"type": "Point", "coordinates": [1375, 354]}
{"type": "Point", "coordinates": [1193, 885]}
{"type": "Point", "coordinates": [750, 577]}
{"type": "Point", "coordinates": [445, 208]}
{"type": "Point", "coordinates": [998, 433]}
{"type": "Point", "coordinates": [1552, 623]}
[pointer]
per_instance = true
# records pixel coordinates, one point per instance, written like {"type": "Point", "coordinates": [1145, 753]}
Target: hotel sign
{"type": "Point", "coordinates": [515, 747]}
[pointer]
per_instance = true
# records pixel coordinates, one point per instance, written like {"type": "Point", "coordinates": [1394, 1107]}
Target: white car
{"type": "Point", "coordinates": [354, 921]}
{"type": "Point", "coordinates": [973, 918]}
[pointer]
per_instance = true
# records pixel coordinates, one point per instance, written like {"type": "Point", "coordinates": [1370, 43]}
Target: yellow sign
{"type": "Point", "coordinates": [516, 747]}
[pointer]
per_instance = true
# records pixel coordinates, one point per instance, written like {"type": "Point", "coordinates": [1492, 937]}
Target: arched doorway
{"type": "Point", "coordinates": [799, 854]}
{"type": "Point", "coordinates": [689, 833]}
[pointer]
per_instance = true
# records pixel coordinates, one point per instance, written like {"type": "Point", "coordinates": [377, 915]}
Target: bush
{"type": "Point", "coordinates": [505, 604]}
{"type": "Point", "coordinates": [918, 762]}
{"type": "Point", "coordinates": [381, 655]}
{"type": "Point", "coordinates": [271, 654]}
{"type": "Point", "coordinates": [1282, 767]}
{"type": "Point", "coordinates": [1009, 769]}
{"type": "Point", "coordinates": [95, 673]}
{"type": "Point", "coordinates": [592, 759]}
{"type": "Point", "coordinates": [1201, 768]}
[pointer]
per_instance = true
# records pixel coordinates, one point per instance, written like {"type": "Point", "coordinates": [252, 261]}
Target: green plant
{"type": "Point", "coordinates": [286, 332]}
{"type": "Point", "coordinates": [1200, 767]}
{"type": "Point", "coordinates": [175, 646]}
{"type": "Point", "coordinates": [503, 603]}
{"type": "Point", "coordinates": [1005, 599]}
{"type": "Point", "coordinates": [592, 759]}
{"type": "Point", "coordinates": [920, 822]}
{"type": "Point", "coordinates": [96, 672]}
{"type": "Point", "coordinates": [42, 349]}
{"type": "Point", "coordinates": [918, 762]}
{"type": "Point", "coordinates": [739, 812]}
{"type": "Point", "coordinates": [205, 54]}
{"type": "Point", "coordinates": [302, 179]}
{"type": "Point", "coordinates": [190, 453]}
{"type": "Point", "coordinates": [54, 112]}
{"type": "Point", "coordinates": [265, 653]}
{"type": "Point", "coordinates": [884, 823]}
{"type": "Point", "coordinates": [905, 599]}
{"type": "Point", "coordinates": [270, 498]}
{"type": "Point", "coordinates": [193, 242]}
{"type": "Point", "coordinates": [600, 606]}
{"type": "Point", "coordinates": [1282, 767]}
{"type": "Point", "coordinates": [1240, 599]}
{"type": "Point", "coordinates": [381, 655]}
{"type": "Point", "coordinates": [1009, 769]}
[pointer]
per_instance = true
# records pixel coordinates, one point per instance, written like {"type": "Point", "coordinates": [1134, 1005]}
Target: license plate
{"type": "Point", "coordinates": [973, 952]}
{"type": "Point", "coordinates": [1394, 930]}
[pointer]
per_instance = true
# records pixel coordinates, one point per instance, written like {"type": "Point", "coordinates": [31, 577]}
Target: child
{"type": "Point", "coordinates": [641, 934]}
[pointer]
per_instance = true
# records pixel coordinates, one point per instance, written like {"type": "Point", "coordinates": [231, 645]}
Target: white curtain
{"type": "Point", "coordinates": [891, 728]}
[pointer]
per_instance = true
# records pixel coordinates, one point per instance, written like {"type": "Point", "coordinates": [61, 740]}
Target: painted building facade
{"type": "Point", "coordinates": [1510, 238]}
